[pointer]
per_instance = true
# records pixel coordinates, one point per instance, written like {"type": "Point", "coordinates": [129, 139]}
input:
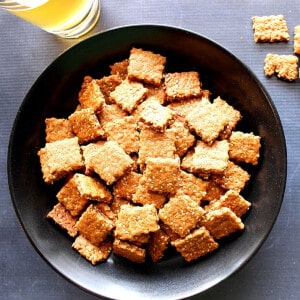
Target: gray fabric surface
{"type": "Point", "coordinates": [25, 51]}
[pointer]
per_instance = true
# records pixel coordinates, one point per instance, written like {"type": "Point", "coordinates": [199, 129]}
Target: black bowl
{"type": "Point", "coordinates": [55, 94]}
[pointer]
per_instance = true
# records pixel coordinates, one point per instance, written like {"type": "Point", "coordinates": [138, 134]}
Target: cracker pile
{"type": "Point", "coordinates": [148, 162]}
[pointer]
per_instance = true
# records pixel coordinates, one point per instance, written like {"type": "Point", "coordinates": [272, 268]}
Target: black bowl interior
{"type": "Point", "coordinates": [54, 94]}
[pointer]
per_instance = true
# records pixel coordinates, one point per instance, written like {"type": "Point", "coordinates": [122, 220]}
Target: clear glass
{"type": "Point", "coordinates": [66, 18]}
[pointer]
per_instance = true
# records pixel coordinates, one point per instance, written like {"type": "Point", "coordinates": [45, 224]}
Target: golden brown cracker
{"type": "Point", "coordinates": [284, 66]}
{"type": "Point", "coordinates": [124, 132]}
{"type": "Point", "coordinates": [181, 214]}
{"type": "Point", "coordinates": [92, 253]}
{"type": "Point", "coordinates": [94, 225]}
{"type": "Point", "coordinates": [60, 158]}
{"type": "Point", "coordinates": [196, 244]}
{"type": "Point", "coordinates": [222, 222]}
{"type": "Point", "coordinates": [182, 85]}
{"type": "Point", "coordinates": [244, 147]}
{"type": "Point", "coordinates": [146, 66]}
{"type": "Point", "coordinates": [207, 159]}
{"type": "Point", "coordinates": [85, 125]}
{"type": "Point", "coordinates": [58, 129]}
{"type": "Point", "coordinates": [128, 95]}
{"type": "Point", "coordinates": [270, 29]}
{"type": "Point", "coordinates": [64, 219]}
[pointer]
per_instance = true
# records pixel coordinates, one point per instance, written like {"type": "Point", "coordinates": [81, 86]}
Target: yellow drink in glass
{"type": "Point", "coordinates": [67, 18]}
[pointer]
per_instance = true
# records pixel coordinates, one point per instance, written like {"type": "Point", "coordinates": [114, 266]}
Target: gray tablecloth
{"type": "Point", "coordinates": [25, 51]}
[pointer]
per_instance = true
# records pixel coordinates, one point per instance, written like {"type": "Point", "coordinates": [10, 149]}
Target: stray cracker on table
{"type": "Point", "coordinates": [270, 29]}
{"type": "Point", "coordinates": [284, 66]}
{"type": "Point", "coordinates": [147, 161]}
{"type": "Point", "coordinates": [297, 39]}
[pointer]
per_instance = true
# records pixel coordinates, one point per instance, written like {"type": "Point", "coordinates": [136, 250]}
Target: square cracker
{"type": "Point", "coordinates": [196, 244]}
{"type": "Point", "coordinates": [128, 95]}
{"type": "Point", "coordinates": [90, 95]}
{"type": "Point", "coordinates": [213, 191]}
{"type": "Point", "coordinates": [270, 29]}
{"type": "Point", "coordinates": [88, 152]}
{"type": "Point", "coordinates": [110, 113]}
{"type": "Point", "coordinates": [161, 174]}
{"type": "Point", "coordinates": [126, 186]}
{"type": "Point", "coordinates": [222, 222]}
{"type": "Point", "coordinates": [183, 107]}
{"type": "Point", "coordinates": [297, 39]}
{"type": "Point", "coordinates": [143, 196]}
{"type": "Point", "coordinates": [210, 119]}
{"type": "Point", "coordinates": [92, 253]}
{"type": "Point", "coordinates": [124, 132]}
{"type": "Point", "coordinates": [60, 158]}
{"type": "Point", "coordinates": [134, 221]}
{"type": "Point", "coordinates": [233, 200]}
{"type": "Point", "coordinates": [129, 251]}
{"type": "Point", "coordinates": [94, 225]}
{"type": "Point", "coordinates": [85, 125]}
{"type": "Point", "coordinates": [284, 66]}
{"type": "Point", "coordinates": [107, 84]}
{"type": "Point", "coordinates": [181, 214]}
{"type": "Point", "coordinates": [79, 190]}
{"type": "Point", "coordinates": [182, 85]}
{"type": "Point", "coordinates": [207, 159]}
{"type": "Point", "coordinates": [244, 147]}
{"type": "Point", "coordinates": [91, 188]}
{"type": "Point", "coordinates": [64, 219]}
{"type": "Point", "coordinates": [110, 161]}
{"type": "Point", "coordinates": [156, 115]}
{"type": "Point", "coordinates": [146, 66]}
{"type": "Point", "coordinates": [70, 197]}
{"type": "Point", "coordinates": [157, 245]}
{"type": "Point", "coordinates": [193, 186]}
{"type": "Point", "coordinates": [120, 68]}
{"type": "Point", "coordinates": [234, 177]}
{"type": "Point", "coordinates": [156, 144]}
{"type": "Point", "coordinates": [183, 138]}
{"type": "Point", "coordinates": [58, 129]}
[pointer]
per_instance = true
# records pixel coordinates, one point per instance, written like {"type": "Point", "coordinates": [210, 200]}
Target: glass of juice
{"type": "Point", "coordinates": [65, 18]}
